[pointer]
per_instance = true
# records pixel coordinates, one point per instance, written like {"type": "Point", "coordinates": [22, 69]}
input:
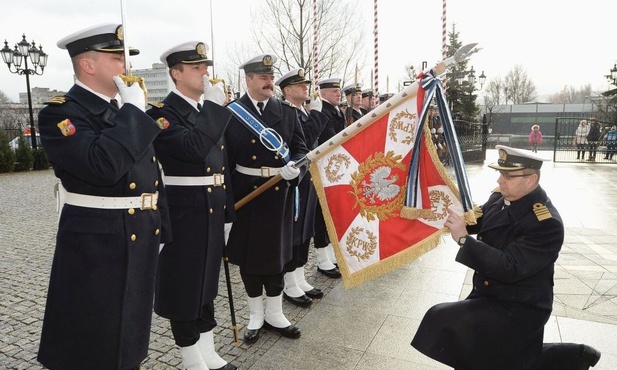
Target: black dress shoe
{"type": "Point", "coordinates": [251, 335]}
{"type": "Point", "coordinates": [334, 273]}
{"type": "Point", "coordinates": [589, 357]}
{"type": "Point", "coordinates": [302, 301]}
{"type": "Point", "coordinates": [228, 366]}
{"type": "Point", "coordinates": [314, 293]}
{"type": "Point", "coordinates": [288, 332]}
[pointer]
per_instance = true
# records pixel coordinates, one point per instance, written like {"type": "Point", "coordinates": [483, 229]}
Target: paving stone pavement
{"type": "Point", "coordinates": [27, 240]}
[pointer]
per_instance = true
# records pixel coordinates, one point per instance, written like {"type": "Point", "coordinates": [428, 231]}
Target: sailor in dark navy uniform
{"type": "Point", "coordinates": [353, 95]}
{"type": "Point", "coordinates": [330, 90]}
{"type": "Point", "coordinates": [260, 240]}
{"type": "Point", "coordinates": [368, 101]}
{"type": "Point", "coordinates": [295, 88]}
{"type": "Point", "coordinates": [112, 211]}
{"type": "Point", "coordinates": [192, 152]}
{"type": "Point", "coordinates": [500, 325]}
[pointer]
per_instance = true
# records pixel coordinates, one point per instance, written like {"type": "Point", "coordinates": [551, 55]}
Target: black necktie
{"type": "Point", "coordinates": [114, 103]}
{"type": "Point", "coordinates": [199, 106]}
{"type": "Point", "coordinates": [260, 105]}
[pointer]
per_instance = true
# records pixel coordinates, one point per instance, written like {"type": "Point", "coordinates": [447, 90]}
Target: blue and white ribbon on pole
{"type": "Point", "coordinates": [434, 88]}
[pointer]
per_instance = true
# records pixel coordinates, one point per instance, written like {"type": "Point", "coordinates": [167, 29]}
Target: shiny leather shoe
{"type": "Point", "coordinates": [228, 366]}
{"type": "Point", "coordinates": [288, 332]}
{"type": "Point", "coordinates": [251, 335]}
{"type": "Point", "coordinates": [589, 357]}
{"type": "Point", "coordinates": [314, 293]}
{"type": "Point", "coordinates": [302, 301]}
{"type": "Point", "coordinates": [334, 273]}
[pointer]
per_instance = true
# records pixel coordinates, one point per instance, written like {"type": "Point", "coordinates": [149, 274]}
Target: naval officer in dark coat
{"type": "Point", "coordinates": [191, 149]}
{"type": "Point", "coordinates": [260, 240]}
{"type": "Point", "coordinates": [330, 90]}
{"type": "Point", "coordinates": [500, 325]}
{"type": "Point", "coordinates": [112, 215]}
{"type": "Point", "coordinates": [295, 87]}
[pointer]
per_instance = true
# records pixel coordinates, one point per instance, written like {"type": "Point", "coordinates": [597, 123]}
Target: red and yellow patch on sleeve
{"type": "Point", "coordinates": [162, 122]}
{"type": "Point", "coordinates": [66, 127]}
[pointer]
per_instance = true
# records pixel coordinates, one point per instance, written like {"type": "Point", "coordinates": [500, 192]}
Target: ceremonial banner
{"type": "Point", "coordinates": [362, 185]}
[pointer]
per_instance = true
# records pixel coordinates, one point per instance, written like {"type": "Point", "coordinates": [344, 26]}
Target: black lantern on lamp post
{"type": "Point", "coordinates": [15, 58]}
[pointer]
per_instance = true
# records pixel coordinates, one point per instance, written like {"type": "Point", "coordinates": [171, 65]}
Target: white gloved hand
{"type": "Point", "coordinates": [216, 93]}
{"type": "Point", "coordinates": [316, 103]}
{"type": "Point", "coordinates": [289, 172]}
{"type": "Point", "coordinates": [131, 94]}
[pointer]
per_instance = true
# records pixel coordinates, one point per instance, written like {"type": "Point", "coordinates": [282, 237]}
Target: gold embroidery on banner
{"type": "Point", "coordinates": [439, 202]}
{"type": "Point", "coordinates": [334, 168]}
{"type": "Point", "coordinates": [403, 121]}
{"type": "Point", "coordinates": [361, 248]}
{"type": "Point", "coordinates": [375, 189]}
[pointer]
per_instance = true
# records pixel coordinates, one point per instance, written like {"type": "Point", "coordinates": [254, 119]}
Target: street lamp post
{"type": "Point", "coordinates": [22, 51]}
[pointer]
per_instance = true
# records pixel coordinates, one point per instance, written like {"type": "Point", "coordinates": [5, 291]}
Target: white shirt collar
{"type": "Point", "coordinates": [104, 97]}
{"type": "Point", "coordinates": [188, 100]}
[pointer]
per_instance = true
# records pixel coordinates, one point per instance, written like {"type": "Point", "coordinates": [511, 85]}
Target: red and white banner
{"type": "Point", "coordinates": [362, 184]}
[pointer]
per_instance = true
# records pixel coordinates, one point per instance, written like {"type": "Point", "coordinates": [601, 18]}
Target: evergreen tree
{"type": "Point", "coordinates": [7, 156]}
{"type": "Point", "coordinates": [24, 155]}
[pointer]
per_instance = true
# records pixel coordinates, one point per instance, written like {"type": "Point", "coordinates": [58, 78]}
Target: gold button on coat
{"type": "Point", "coordinates": [253, 141]}
{"type": "Point", "coordinates": [133, 237]}
{"type": "Point", "coordinates": [157, 232]}
{"type": "Point", "coordinates": [132, 186]}
{"type": "Point", "coordinates": [485, 282]}
{"type": "Point", "coordinates": [208, 170]}
{"type": "Point", "coordinates": [209, 190]}
{"type": "Point", "coordinates": [254, 157]}
{"type": "Point", "coordinates": [131, 211]}
{"type": "Point", "coordinates": [153, 159]}
{"type": "Point", "coordinates": [156, 183]}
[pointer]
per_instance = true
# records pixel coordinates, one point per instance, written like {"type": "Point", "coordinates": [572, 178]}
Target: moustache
{"type": "Point", "coordinates": [268, 87]}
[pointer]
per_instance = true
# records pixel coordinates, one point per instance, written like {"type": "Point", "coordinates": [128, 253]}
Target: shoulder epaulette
{"type": "Point", "coordinates": [288, 103]}
{"type": "Point", "coordinates": [157, 104]}
{"type": "Point", "coordinates": [496, 190]}
{"type": "Point", "coordinates": [541, 211]}
{"type": "Point", "coordinates": [57, 100]}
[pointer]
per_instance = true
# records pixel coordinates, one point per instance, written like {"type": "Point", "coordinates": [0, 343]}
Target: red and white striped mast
{"type": "Point", "coordinates": [315, 50]}
{"type": "Point", "coordinates": [376, 50]}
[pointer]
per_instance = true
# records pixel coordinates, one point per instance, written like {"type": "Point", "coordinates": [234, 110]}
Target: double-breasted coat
{"type": "Point", "coordinates": [260, 240]}
{"type": "Point", "coordinates": [500, 325]}
{"type": "Point", "coordinates": [191, 144]}
{"type": "Point", "coordinates": [101, 288]}
{"type": "Point", "coordinates": [336, 123]}
{"type": "Point", "coordinates": [313, 124]}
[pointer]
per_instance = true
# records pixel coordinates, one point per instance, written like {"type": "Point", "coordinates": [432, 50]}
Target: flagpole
{"type": "Point", "coordinates": [376, 50]}
{"type": "Point", "coordinates": [315, 50]}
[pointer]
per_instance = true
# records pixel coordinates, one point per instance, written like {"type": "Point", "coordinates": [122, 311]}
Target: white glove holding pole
{"type": "Point", "coordinates": [316, 103]}
{"type": "Point", "coordinates": [216, 93]}
{"type": "Point", "coordinates": [131, 94]}
{"type": "Point", "coordinates": [290, 172]}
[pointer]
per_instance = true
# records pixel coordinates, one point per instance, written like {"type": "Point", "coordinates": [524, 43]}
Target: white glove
{"type": "Point", "coordinates": [289, 172]}
{"type": "Point", "coordinates": [316, 103]}
{"type": "Point", "coordinates": [227, 230]}
{"type": "Point", "coordinates": [131, 94]}
{"type": "Point", "coordinates": [216, 93]}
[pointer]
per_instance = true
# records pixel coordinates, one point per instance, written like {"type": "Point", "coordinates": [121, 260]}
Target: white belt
{"type": "Point", "coordinates": [217, 180]}
{"type": "Point", "coordinates": [145, 201]}
{"type": "Point", "coordinates": [260, 172]}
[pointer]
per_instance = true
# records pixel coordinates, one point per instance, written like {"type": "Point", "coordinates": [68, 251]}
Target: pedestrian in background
{"type": "Point", "coordinates": [535, 138]}
{"type": "Point", "coordinates": [593, 137]}
{"type": "Point", "coordinates": [580, 139]}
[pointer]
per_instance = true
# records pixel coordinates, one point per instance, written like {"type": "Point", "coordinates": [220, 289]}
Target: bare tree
{"type": "Point", "coordinates": [569, 94]}
{"type": "Point", "coordinates": [285, 28]}
{"type": "Point", "coordinates": [4, 99]}
{"type": "Point", "coordinates": [518, 88]}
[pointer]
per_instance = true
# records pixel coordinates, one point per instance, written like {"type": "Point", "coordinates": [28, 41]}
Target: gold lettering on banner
{"type": "Point", "coordinates": [374, 185]}
{"type": "Point", "coordinates": [336, 167]}
{"type": "Point", "coordinates": [403, 124]}
{"type": "Point", "coordinates": [361, 243]}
